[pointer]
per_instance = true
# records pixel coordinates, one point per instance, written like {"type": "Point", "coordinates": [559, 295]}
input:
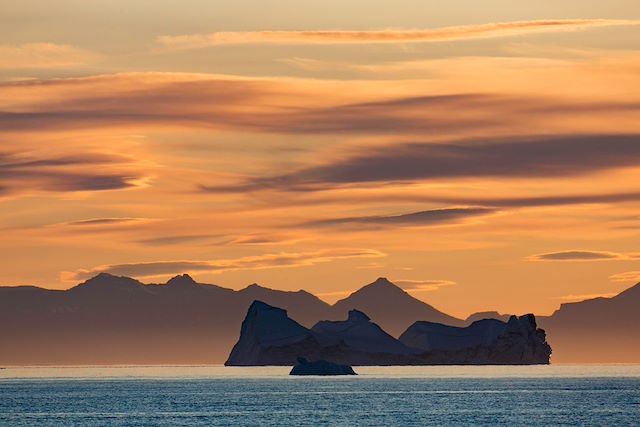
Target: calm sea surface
{"type": "Point", "coordinates": [384, 396]}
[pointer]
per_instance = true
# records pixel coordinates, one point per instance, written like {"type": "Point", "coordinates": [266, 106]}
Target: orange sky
{"type": "Point", "coordinates": [485, 157]}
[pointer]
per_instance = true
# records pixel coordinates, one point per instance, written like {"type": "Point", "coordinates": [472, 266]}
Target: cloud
{"type": "Point", "coordinates": [423, 285]}
{"type": "Point", "coordinates": [423, 218]}
{"type": "Point", "coordinates": [582, 255]}
{"type": "Point", "coordinates": [175, 240]}
{"type": "Point", "coordinates": [519, 157]}
{"type": "Point", "coordinates": [369, 265]}
{"type": "Point", "coordinates": [265, 240]}
{"type": "Point", "coordinates": [401, 115]}
{"type": "Point", "coordinates": [29, 172]}
{"type": "Point", "coordinates": [221, 102]}
{"type": "Point", "coordinates": [259, 262]}
{"type": "Point", "coordinates": [533, 201]}
{"type": "Point", "coordinates": [263, 105]}
{"type": "Point", "coordinates": [628, 276]}
{"type": "Point", "coordinates": [583, 297]}
{"type": "Point", "coordinates": [101, 221]}
{"type": "Point", "coordinates": [107, 100]}
{"type": "Point", "coordinates": [500, 29]}
{"type": "Point", "coordinates": [439, 66]}
{"type": "Point", "coordinates": [44, 55]}
{"type": "Point", "coordinates": [494, 202]}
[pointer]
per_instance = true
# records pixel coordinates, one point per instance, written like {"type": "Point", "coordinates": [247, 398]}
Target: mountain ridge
{"type": "Point", "coordinates": [116, 319]}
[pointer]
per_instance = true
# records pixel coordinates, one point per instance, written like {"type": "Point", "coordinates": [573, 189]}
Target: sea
{"type": "Point", "coordinates": [584, 395]}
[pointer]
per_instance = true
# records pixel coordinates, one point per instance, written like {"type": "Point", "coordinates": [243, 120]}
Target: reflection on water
{"type": "Point", "coordinates": [219, 371]}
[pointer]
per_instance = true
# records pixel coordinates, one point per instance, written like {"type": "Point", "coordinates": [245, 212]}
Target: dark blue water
{"type": "Point", "coordinates": [279, 400]}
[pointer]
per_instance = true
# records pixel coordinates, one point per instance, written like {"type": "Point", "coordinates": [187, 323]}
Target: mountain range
{"type": "Point", "coordinates": [599, 329]}
{"type": "Point", "coordinates": [119, 320]}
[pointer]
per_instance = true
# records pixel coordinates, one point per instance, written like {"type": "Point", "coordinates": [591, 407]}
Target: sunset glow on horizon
{"type": "Point", "coordinates": [481, 162]}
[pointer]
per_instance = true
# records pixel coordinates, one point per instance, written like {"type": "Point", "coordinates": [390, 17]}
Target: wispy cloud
{"type": "Point", "coordinates": [583, 297]}
{"type": "Point", "coordinates": [101, 221]}
{"type": "Point", "coordinates": [176, 239]}
{"type": "Point", "coordinates": [24, 172]}
{"type": "Point", "coordinates": [627, 276]}
{"type": "Point", "coordinates": [495, 202]}
{"type": "Point", "coordinates": [258, 262]}
{"type": "Point", "coordinates": [500, 29]}
{"type": "Point", "coordinates": [221, 102]}
{"type": "Point", "coordinates": [265, 240]}
{"type": "Point", "coordinates": [534, 156]}
{"type": "Point", "coordinates": [280, 106]}
{"type": "Point", "coordinates": [423, 285]}
{"type": "Point", "coordinates": [44, 55]}
{"type": "Point", "coordinates": [583, 255]}
{"type": "Point", "coordinates": [423, 218]}
{"type": "Point", "coordinates": [533, 201]}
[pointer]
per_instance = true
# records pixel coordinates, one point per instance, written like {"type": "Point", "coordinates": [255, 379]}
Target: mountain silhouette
{"type": "Point", "coordinates": [118, 320]}
{"type": "Point", "coordinates": [302, 305]}
{"type": "Point", "coordinates": [486, 315]}
{"type": "Point", "coordinates": [599, 329]}
{"type": "Point", "coordinates": [183, 282]}
{"type": "Point", "coordinates": [109, 281]}
{"type": "Point", "coordinates": [391, 307]}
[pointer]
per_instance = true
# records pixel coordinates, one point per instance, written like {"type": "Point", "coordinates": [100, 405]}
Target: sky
{"type": "Point", "coordinates": [482, 155]}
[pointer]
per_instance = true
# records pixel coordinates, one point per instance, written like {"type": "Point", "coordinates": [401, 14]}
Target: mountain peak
{"type": "Point", "coordinates": [382, 281]}
{"type": "Point", "coordinates": [102, 276]}
{"type": "Point", "coordinates": [382, 284]}
{"type": "Point", "coordinates": [380, 289]}
{"type": "Point", "coordinates": [182, 280]}
{"type": "Point", "coordinates": [253, 287]}
{"type": "Point", "coordinates": [109, 281]}
{"type": "Point", "coordinates": [387, 303]}
{"type": "Point", "coordinates": [357, 316]}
